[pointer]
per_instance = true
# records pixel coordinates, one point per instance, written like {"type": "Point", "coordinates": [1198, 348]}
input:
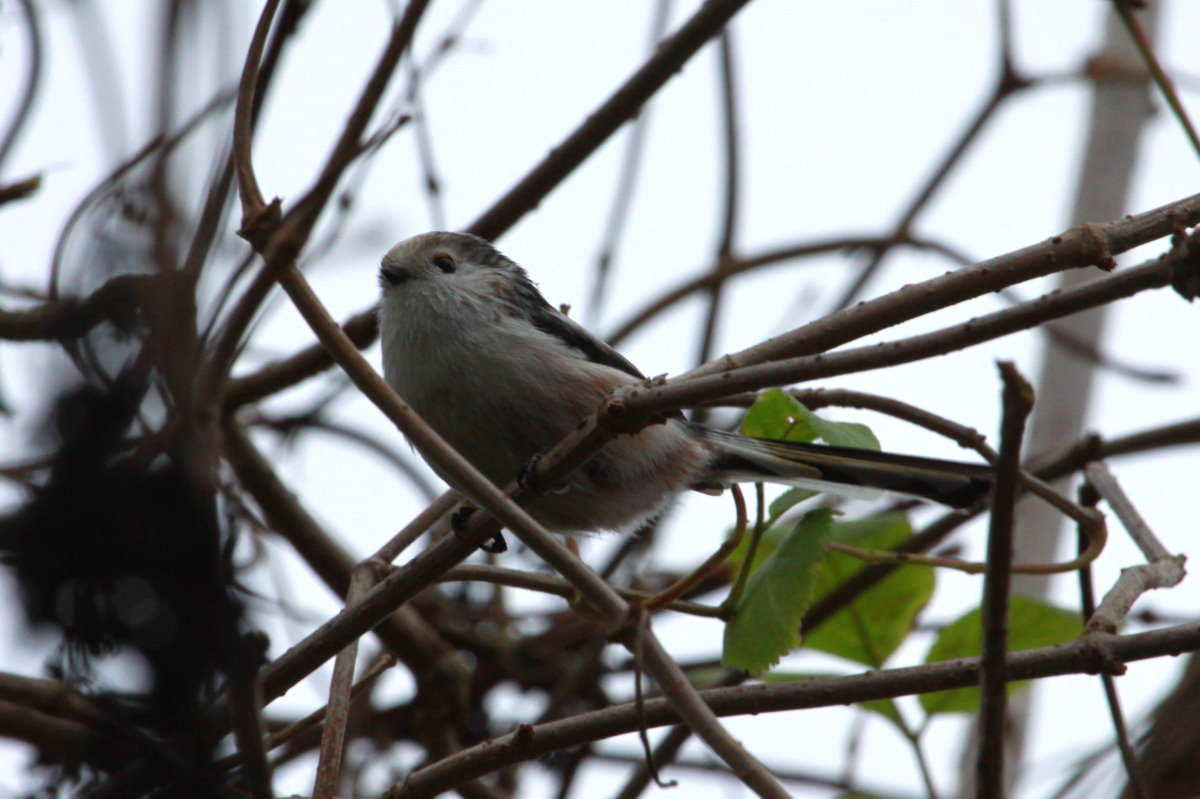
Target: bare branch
{"type": "Point", "coordinates": [711, 382]}
{"type": "Point", "coordinates": [116, 301]}
{"type": "Point", "coordinates": [1017, 404]}
{"type": "Point", "coordinates": [528, 742]}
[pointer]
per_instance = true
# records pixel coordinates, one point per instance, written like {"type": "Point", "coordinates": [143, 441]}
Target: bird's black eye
{"type": "Point", "coordinates": [444, 262]}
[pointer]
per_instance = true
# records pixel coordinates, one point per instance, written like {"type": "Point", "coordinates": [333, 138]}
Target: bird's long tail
{"type": "Point", "coordinates": [845, 470]}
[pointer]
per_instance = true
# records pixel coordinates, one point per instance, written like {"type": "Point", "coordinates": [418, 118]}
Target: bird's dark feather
{"type": "Point", "coordinates": [553, 323]}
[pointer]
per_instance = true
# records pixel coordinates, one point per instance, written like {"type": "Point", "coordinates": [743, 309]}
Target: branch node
{"type": "Point", "coordinates": [1104, 660]}
{"type": "Point", "coordinates": [258, 222]}
{"type": "Point", "coordinates": [1104, 257]}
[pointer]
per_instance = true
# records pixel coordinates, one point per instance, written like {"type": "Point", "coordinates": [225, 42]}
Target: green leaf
{"type": "Point", "coordinates": [1031, 624]}
{"type": "Point", "coordinates": [776, 414]}
{"type": "Point", "coordinates": [788, 499]}
{"type": "Point", "coordinates": [766, 622]}
{"type": "Point", "coordinates": [872, 627]}
{"type": "Point", "coordinates": [841, 434]}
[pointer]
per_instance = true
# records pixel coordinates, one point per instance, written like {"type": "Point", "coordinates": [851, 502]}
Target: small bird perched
{"type": "Point", "coordinates": [470, 343]}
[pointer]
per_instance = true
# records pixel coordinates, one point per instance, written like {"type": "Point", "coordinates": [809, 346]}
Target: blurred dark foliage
{"type": "Point", "coordinates": [120, 551]}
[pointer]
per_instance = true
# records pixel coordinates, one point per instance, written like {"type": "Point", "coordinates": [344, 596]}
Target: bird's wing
{"type": "Point", "coordinates": [552, 322]}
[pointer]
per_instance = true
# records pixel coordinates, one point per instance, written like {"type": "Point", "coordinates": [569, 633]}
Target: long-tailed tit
{"type": "Point", "coordinates": [471, 344]}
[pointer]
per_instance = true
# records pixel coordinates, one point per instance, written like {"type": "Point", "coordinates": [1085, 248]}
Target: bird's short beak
{"type": "Point", "coordinates": [393, 276]}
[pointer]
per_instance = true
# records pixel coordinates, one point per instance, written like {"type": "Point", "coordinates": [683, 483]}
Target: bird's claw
{"type": "Point", "coordinates": [527, 477]}
{"type": "Point", "coordinates": [458, 523]}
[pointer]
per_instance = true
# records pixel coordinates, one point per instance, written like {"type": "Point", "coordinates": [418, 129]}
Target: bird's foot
{"type": "Point", "coordinates": [458, 523]}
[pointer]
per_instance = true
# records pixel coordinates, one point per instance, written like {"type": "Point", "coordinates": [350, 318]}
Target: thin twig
{"type": "Point", "coordinates": [253, 203]}
{"type": "Point", "coordinates": [293, 730]}
{"type": "Point", "coordinates": [709, 384]}
{"type": "Point", "coordinates": [1080, 246]}
{"type": "Point", "coordinates": [731, 155]}
{"type": "Point", "coordinates": [548, 584]}
{"type": "Point", "coordinates": [337, 712]}
{"type": "Point", "coordinates": [33, 78]}
{"type": "Point", "coordinates": [1163, 570]}
{"type": "Point", "coordinates": [622, 201]}
{"type": "Point", "coordinates": [1008, 82]}
{"type": "Point", "coordinates": [621, 106]}
{"type": "Point", "coordinates": [1124, 9]}
{"type": "Point", "coordinates": [245, 708]}
{"type": "Point", "coordinates": [1107, 486]}
{"type": "Point", "coordinates": [1129, 758]}
{"type": "Point", "coordinates": [1017, 404]}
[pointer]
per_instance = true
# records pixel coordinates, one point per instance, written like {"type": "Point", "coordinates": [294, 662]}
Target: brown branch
{"type": "Point", "coordinates": [337, 712]}
{"type": "Point", "coordinates": [548, 584]}
{"type": "Point", "coordinates": [1164, 570]}
{"type": "Point", "coordinates": [989, 767]}
{"type": "Point", "coordinates": [731, 154]}
{"type": "Point", "coordinates": [56, 739]}
{"type": "Point", "coordinates": [245, 711]}
{"type": "Point", "coordinates": [1124, 9]}
{"type": "Point", "coordinates": [33, 77]}
{"type": "Point", "coordinates": [1087, 597]}
{"type": "Point", "coordinates": [622, 201]}
{"type": "Point", "coordinates": [736, 265]}
{"type": "Point", "coordinates": [20, 189]}
{"type": "Point", "coordinates": [434, 664]}
{"type": "Point", "coordinates": [528, 742]}
{"type": "Point", "coordinates": [51, 697]}
{"type": "Point", "coordinates": [1082, 245]}
{"type": "Point", "coordinates": [116, 301]}
{"type": "Point", "coordinates": [253, 204]}
{"type": "Point", "coordinates": [712, 383]}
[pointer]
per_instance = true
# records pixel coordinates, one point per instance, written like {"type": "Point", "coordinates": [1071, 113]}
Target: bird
{"type": "Point", "coordinates": [470, 343]}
